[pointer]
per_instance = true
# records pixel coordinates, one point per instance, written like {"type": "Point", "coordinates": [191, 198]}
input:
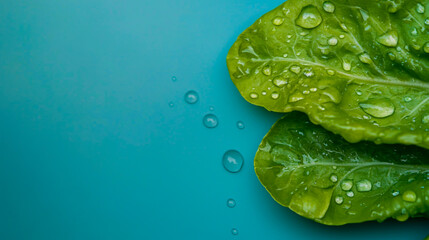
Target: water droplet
{"type": "Point", "coordinates": [211, 108]}
{"type": "Point", "coordinates": [266, 70]}
{"type": "Point", "coordinates": [425, 119]}
{"type": "Point", "coordinates": [308, 73]}
{"type": "Point", "coordinates": [264, 93]}
{"type": "Point", "coordinates": [364, 14]}
{"type": "Point", "coordinates": [346, 185]}
{"type": "Point", "coordinates": [365, 58]}
{"type": "Point", "coordinates": [330, 72]}
{"type": "Point", "coordinates": [359, 93]}
{"type": "Point", "coordinates": [240, 125]}
{"type": "Point", "coordinates": [339, 200]}
{"type": "Point", "coordinates": [427, 21]}
{"type": "Point", "coordinates": [295, 69]}
{"type": "Point", "coordinates": [395, 193]}
{"type": "Point", "coordinates": [171, 104]}
{"type": "Point", "coordinates": [309, 17]}
{"type": "Point", "coordinates": [232, 161]}
{"type": "Point", "coordinates": [230, 203]}
{"type": "Point", "coordinates": [254, 95]}
{"type": "Point", "coordinates": [334, 178]}
{"type": "Point", "coordinates": [420, 8]}
{"type": "Point", "coordinates": [403, 217]}
{"type": "Point", "coordinates": [275, 95]}
{"type": "Point", "coordinates": [379, 108]}
{"type": "Point", "coordinates": [333, 41]}
{"type": "Point", "coordinates": [191, 97]}
{"type": "Point", "coordinates": [234, 231]}
{"type": "Point", "coordinates": [347, 66]}
{"type": "Point", "coordinates": [414, 32]}
{"type": "Point", "coordinates": [173, 78]}
{"type": "Point", "coordinates": [278, 21]}
{"type": "Point", "coordinates": [364, 186]}
{"type": "Point", "coordinates": [409, 196]}
{"type": "Point", "coordinates": [344, 27]}
{"type": "Point", "coordinates": [342, 36]}
{"type": "Point", "coordinates": [426, 47]}
{"type": "Point", "coordinates": [328, 7]}
{"type": "Point", "coordinates": [408, 99]}
{"type": "Point", "coordinates": [210, 121]}
{"type": "Point", "coordinates": [313, 89]}
{"type": "Point", "coordinates": [350, 194]}
{"type": "Point", "coordinates": [279, 82]}
{"type": "Point", "coordinates": [389, 39]}
{"type": "Point", "coordinates": [295, 97]}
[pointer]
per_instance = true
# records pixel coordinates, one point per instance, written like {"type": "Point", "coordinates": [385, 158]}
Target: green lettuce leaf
{"type": "Point", "coordinates": [325, 178]}
{"type": "Point", "coordinates": [359, 68]}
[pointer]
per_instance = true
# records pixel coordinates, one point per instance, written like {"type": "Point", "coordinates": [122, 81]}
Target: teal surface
{"type": "Point", "coordinates": [91, 149]}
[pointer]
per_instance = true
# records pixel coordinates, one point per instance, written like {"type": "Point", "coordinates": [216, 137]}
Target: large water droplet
{"type": "Point", "coordinates": [240, 125]}
{"type": "Point", "coordinates": [230, 203]}
{"type": "Point", "coordinates": [409, 196]}
{"type": "Point", "coordinates": [328, 7]}
{"type": "Point", "coordinates": [339, 200]}
{"type": "Point", "coordinates": [364, 186]}
{"type": "Point", "coordinates": [346, 185]}
{"type": "Point", "coordinates": [334, 178]}
{"type": "Point", "coordinates": [278, 21]}
{"type": "Point", "coordinates": [191, 97]}
{"type": "Point", "coordinates": [379, 108]}
{"type": "Point", "coordinates": [234, 231]}
{"type": "Point", "coordinates": [266, 70]}
{"type": "Point", "coordinates": [210, 121]}
{"type": "Point", "coordinates": [420, 8]}
{"type": "Point", "coordinates": [309, 17]}
{"type": "Point", "coordinates": [350, 194]}
{"type": "Point", "coordinates": [295, 69]}
{"type": "Point", "coordinates": [347, 66]}
{"type": "Point", "coordinates": [232, 161]}
{"type": "Point", "coordinates": [389, 39]}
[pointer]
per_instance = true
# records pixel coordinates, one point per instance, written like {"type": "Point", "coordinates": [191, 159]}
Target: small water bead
{"type": "Point", "coordinates": [275, 95]}
{"type": "Point", "coordinates": [254, 95]}
{"type": "Point", "coordinates": [333, 178]}
{"type": "Point", "coordinates": [408, 99]}
{"type": "Point", "coordinates": [278, 21]}
{"type": "Point", "coordinates": [332, 41]}
{"type": "Point", "coordinates": [409, 196]}
{"type": "Point", "coordinates": [264, 93]}
{"type": "Point", "coordinates": [395, 193]}
{"type": "Point", "coordinates": [389, 39]}
{"type": "Point", "coordinates": [365, 58]}
{"type": "Point", "coordinates": [295, 69]}
{"type": "Point", "coordinates": [425, 119]}
{"type": "Point", "coordinates": [392, 56]}
{"type": "Point", "coordinates": [230, 203]}
{"type": "Point", "coordinates": [232, 161]}
{"type": "Point", "coordinates": [330, 72]}
{"type": "Point", "coordinates": [308, 73]}
{"type": "Point", "coordinates": [414, 32]}
{"type": "Point", "coordinates": [364, 186]}
{"type": "Point", "coordinates": [210, 121]}
{"type": "Point", "coordinates": [426, 47]}
{"type": "Point", "coordinates": [313, 89]}
{"type": "Point", "coordinates": [420, 8]}
{"type": "Point", "coordinates": [266, 70]}
{"type": "Point", "coordinates": [234, 231]}
{"type": "Point", "coordinates": [346, 185]}
{"type": "Point", "coordinates": [379, 108]}
{"type": "Point", "coordinates": [347, 66]}
{"type": "Point", "coordinates": [240, 125]}
{"type": "Point", "coordinates": [342, 36]}
{"type": "Point", "coordinates": [191, 97]}
{"type": "Point", "coordinates": [306, 92]}
{"type": "Point", "coordinates": [350, 194]}
{"type": "Point", "coordinates": [344, 27]}
{"type": "Point", "coordinates": [309, 17]}
{"type": "Point", "coordinates": [211, 108]}
{"type": "Point", "coordinates": [173, 78]}
{"type": "Point", "coordinates": [328, 7]}
{"type": "Point", "coordinates": [171, 104]}
{"type": "Point", "coordinates": [364, 14]}
{"type": "Point", "coordinates": [427, 21]}
{"type": "Point", "coordinates": [279, 82]}
{"type": "Point", "coordinates": [359, 93]}
{"type": "Point", "coordinates": [339, 200]}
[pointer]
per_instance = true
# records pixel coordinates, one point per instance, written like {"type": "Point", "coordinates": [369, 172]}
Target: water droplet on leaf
{"type": "Point", "coordinates": [328, 7]}
{"type": "Point", "coordinates": [266, 70]}
{"type": "Point", "coordinates": [334, 178]}
{"type": "Point", "coordinates": [409, 196]}
{"type": "Point", "coordinates": [333, 41]}
{"type": "Point", "coordinates": [309, 17]}
{"type": "Point", "coordinates": [420, 8]}
{"type": "Point", "coordinates": [279, 82]}
{"type": "Point", "coordinates": [254, 95]}
{"type": "Point", "coordinates": [364, 186]}
{"type": "Point", "coordinates": [346, 185]}
{"type": "Point", "coordinates": [295, 69]}
{"type": "Point", "coordinates": [389, 39]}
{"type": "Point", "coordinates": [379, 108]}
{"type": "Point", "coordinates": [275, 95]}
{"type": "Point", "coordinates": [278, 21]}
{"type": "Point", "coordinates": [365, 58]}
{"type": "Point", "coordinates": [339, 200]}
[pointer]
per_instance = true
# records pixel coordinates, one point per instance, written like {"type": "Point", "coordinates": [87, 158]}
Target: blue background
{"type": "Point", "coordinates": [90, 149]}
